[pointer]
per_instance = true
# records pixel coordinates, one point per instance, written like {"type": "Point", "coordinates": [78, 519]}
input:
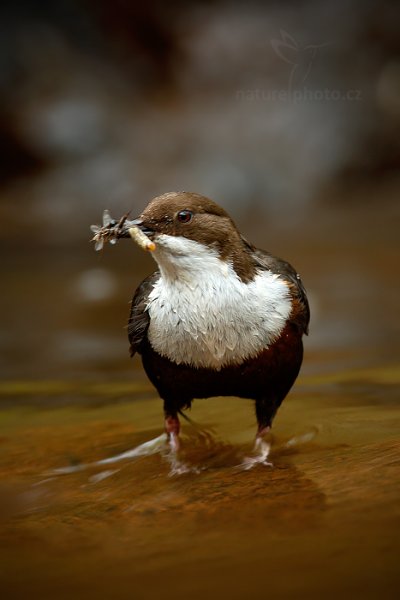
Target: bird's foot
{"type": "Point", "coordinates": [177, 466]}
{"type": "Point", "coordinates": [261, 452]}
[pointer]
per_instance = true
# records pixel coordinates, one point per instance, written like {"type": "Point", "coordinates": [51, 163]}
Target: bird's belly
{"type": "Point", "coordinates": [215, 327]}
{"type": "Point", "coordinates": [205, 342]}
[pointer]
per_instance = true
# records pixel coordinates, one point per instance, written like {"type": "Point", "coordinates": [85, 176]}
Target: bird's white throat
{"type": "Point", "coordinates": [202, 314]}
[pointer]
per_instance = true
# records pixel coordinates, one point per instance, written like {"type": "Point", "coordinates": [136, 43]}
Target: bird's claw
{"type": "Point", "coordinates": [262, 450]}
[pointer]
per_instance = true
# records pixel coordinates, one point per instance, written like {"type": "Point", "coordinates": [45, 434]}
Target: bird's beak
{"type": "Point", "coordinates": [142, 226]}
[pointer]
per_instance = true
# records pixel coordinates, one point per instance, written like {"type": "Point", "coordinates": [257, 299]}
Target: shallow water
{"type": "Point", "coordinates": [319, 523]}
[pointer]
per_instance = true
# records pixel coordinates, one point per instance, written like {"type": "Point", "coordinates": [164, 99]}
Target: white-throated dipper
{"type": "Point", "coordinates": [219, 317]}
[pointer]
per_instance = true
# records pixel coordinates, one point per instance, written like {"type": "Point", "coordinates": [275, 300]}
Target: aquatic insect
{"type": "Point", "coordinates": [141, 239]}
{"type": "Point", "coordinates": [112, 230]}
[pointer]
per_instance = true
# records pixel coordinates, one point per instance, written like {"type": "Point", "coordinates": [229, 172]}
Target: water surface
{"type": "Point", "coordinates": [319, 523]}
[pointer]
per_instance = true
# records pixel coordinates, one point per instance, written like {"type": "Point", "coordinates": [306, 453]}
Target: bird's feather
{"type": "Point", "coordinates": [139, 319]}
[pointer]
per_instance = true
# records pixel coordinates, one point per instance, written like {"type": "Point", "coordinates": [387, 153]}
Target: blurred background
{"type": "Point", "coordinates": [286, 113]}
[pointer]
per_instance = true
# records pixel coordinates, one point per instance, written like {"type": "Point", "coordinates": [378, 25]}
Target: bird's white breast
{"type": "Point", "coordinates": [203, 315]}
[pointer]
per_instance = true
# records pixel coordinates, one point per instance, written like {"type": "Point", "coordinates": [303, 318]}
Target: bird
{"type": "Point", "coordinates": [218, 317]}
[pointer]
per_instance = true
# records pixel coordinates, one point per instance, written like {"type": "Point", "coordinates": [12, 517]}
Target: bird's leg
{"type": "Point", "coordinates": [261, 450]}
{"type": "Point", "coordinates": [172, 428]}
{"type": "Point", "coordinates": [262, 445]}
{"type": "Point", "coordinates": [265, 411]}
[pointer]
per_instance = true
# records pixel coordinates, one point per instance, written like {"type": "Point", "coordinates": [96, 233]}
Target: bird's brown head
{"type": "Point", "coordinates": [175, 217]}
{"type": "Point", "coordinates": [188, 215]}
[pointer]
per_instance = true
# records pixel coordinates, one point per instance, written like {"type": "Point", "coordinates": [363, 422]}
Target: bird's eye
{"type": "Point", "coordinates": [184, 216]}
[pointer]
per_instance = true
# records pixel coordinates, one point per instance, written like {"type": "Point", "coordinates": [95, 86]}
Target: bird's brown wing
{"type": "Point", "coordinates": [139, 318]}
{"type": "Point", "coordinates": [301, 309]}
